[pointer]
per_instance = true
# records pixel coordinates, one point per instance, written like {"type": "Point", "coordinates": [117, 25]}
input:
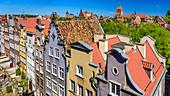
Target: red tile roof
{"type": "Point", "coordinates": [147, 65]}
{"type": "Point", "coordinates": [113, 41]}
{"type": "Point", "coordinates": [140, 15]}
{"type": "Point", "coordinates": [47, 16]}
{"type": "Point", "coordinates": [138, 73]}
{"type": "Point", "coordinates": [120, 7]}
{"type": "Point", "coordinates": [97, 56]}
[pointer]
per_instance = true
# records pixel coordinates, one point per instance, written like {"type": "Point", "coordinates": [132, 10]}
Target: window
{"type": "Point", "coordinates": [61, 73]}
{"type": "Point", "coordinates": [61, 90]}
{"type": "Point", "coordinates": [48, 83]}
{"type": "Point", "coordinates": [41, 55]}
{"type": "Point", "coordinates": [72, 86]}
{"type": "Point", "coordinates": [114, 89]}
{"type": "Point", "coordinates": [48, 66]}
{"type": "Point", "coordinates": [38, 41]}
{"type": "Point", "coordinates": [56, 52]}
{"type": "Point", "coordinates": [37, 53]}
{"type": "Point", "coordinates": [21, 39]}
{"type": "Point", "coordinates": [88, 92]}
{"type": "Point", "coordinates": [54, 69]}
{"type": "Point", "coordinates": [41, 69]}
{"type": "Point", "coordinates": [79, 71]}
{"type": "Point", "coordinates": [54, 87]}
{"type": "Point", "coordinates": [51, 51]}
{"type": "Point", "coordinates": [37, 66]}
{"type": "Point", "coordinates": [79, 90]}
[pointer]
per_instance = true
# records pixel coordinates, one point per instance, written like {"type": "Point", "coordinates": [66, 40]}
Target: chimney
{"type": "Point", "coordinates": [103, 47]}
{"type": "Point", "coordinates": [24, 18]}
{"type": "Point", "coordinates": [39, 21]}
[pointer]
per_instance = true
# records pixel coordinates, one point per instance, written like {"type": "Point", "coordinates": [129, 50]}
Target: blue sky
{"type": "Point", "coordinates": [99, 7]}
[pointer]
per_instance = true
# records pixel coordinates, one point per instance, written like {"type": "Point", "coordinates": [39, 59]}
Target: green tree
{"type": "Point", "coordinates": [168, 13]}
{"type": "Point", "coordinates": [23, 76]}
{"type": "Point", "coordinates": [167, 19]}
{"type": "Point", "coordinates": [18, 72]}
{"type": "Point", "coordinates": [154, 30]}
{"type": "Point", "coordinates": [9, 89]}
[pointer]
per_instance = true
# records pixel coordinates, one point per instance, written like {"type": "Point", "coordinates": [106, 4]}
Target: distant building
{"type": "Point", "coordinates": [86, 14]}
{"type": "Point", "coordinates": [71, 15]}
{"type": "Point", "coordinates": [6, 36]}
{"type": "Point", "coordinates": [161, 22]}
{"type": "Point", "coordinates": [119, 13]}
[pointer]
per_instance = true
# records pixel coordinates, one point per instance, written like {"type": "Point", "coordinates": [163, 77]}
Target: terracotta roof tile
{"type": "Point", "coordinates": [138, 73]}
{"type": "Point", "coordinates": [112, 41]}
{"type": "Point", "coordinates": [147, 65]}
{"type": "Point", "coordinates": [97, 57]}
{"type": "Point", "coordinates": [77, 30]}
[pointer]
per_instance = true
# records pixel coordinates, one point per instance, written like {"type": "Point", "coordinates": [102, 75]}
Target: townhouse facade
{"type": "Point", "coordinates": [55, 63]}
{"type": "Point", "coordinates": [17, 41]}
{"type": "Point", "coordinates": [11, 40]}
{"type": "Point", "coordinates": [23, 40]}
{"type": "Point", "coordinates": [30, 61]}
{"type": "Point", "coordinates": [39, 60]}
{"type": "Point", "coordinates": [2, 39]}
{"type": "Point", "coordinates": [6, 36]}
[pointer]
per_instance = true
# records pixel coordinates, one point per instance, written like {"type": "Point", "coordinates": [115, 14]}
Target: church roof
{"type": "Point", "coordinates": [120, 7]}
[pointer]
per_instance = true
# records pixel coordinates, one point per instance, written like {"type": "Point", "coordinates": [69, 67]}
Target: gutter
{"type": "Point", "coordinates": [66, 70]}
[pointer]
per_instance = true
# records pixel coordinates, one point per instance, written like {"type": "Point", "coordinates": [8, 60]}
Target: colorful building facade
{"type": "Point", "coordinates": [23, 40]}
{"type": "Point", "coordinates": [55, 63]}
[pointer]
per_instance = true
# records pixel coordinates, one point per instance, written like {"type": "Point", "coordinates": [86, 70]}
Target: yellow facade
{"type": "Point", "coordinates": [23, 50]}
{"type": "Point", "coordinates": [82, 59]}
{"type": "Point", "coordinates": [54, 94]}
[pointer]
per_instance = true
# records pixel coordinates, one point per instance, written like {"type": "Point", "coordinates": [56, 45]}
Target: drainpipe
{"type": "Point", "coordinates": [66, 70]}
{"type": "Point", "coordinates": [95, 86]}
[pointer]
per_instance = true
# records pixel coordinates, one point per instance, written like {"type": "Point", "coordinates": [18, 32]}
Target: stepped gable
{"type": "Point", "coordinates": [77, 30]}
{"type": "Point", "coordinates": [139, 77]}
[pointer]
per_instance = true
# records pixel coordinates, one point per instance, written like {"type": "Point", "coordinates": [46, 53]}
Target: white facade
{"type": "Point", "coordinates": [31, 59]}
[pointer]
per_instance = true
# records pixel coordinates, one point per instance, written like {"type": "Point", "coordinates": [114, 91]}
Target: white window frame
{"type": "Point", "coordinates": [62, 78]}
{"type": "Point", "coordinates": [37, 51]}
{"type": "Point", "coordinates": [61, 89]}
{"type": "Point", "coordinates": [72, 90]}
{"type": "Point", "coordinates": [77, 71]}
{"type": "Point", "coordinates": [48, 79]}
{"type": "Point", "coordinates": [110, 91]}
{"type": "Point", "coordinates": [58, 53]}
{"type": "Point", "coordinates": [47, 65]}
{"type": "Point", "coordinates": [55, 84]}
{"type": "Point", "coordinates": [78, 86]}
{"type": "Point", "coordinates": [50, 51]}
{"type": "Point", "coordinates": [55, 74]}
{"type": "Point", "coordinates": [41, 71]}
{"type": "Point", "coordinates": [41, 55]}
{"type": "Point", "coordinates": [37, 68]}
{"type": "Point", "coordinates": [88, 91]}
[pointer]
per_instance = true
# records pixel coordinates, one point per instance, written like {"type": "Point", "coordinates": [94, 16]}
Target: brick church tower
{"type": "Point", "coordinates": [119, 11]}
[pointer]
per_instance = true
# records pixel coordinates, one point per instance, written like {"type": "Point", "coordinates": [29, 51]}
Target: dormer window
{"type": "Point", "coordinates": [148, 66]}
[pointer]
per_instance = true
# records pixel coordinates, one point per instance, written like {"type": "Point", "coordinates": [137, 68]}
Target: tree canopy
{"type": "Point", "coordinates": [161, 35]}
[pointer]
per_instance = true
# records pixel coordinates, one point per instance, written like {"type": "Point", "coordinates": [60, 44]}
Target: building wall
{"type": "Point", "coordinates": [23, 51]}
{"type": "Point", "coordinates": [38, 75]}
{"type": "Point", "coordinates": [113, 61]}
{"type": "Point", "coordinates": [30, 60]}
{"type": "Point", "coordinates": [83, 59]}
{"type": "Point", "coordinates": [59, 62]}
